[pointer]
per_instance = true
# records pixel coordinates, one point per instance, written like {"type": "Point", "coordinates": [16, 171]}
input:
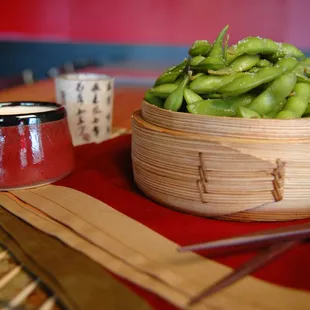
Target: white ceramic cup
{"type": "Point", "coordinates": [88, 99]}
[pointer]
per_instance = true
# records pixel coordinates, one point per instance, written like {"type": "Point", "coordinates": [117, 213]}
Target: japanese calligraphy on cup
{"type": "Point", "coordinates": [88, 99]}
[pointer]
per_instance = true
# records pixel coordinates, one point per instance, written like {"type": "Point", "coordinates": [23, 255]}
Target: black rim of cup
{"type": "Point", "coordinates": [58, 113]}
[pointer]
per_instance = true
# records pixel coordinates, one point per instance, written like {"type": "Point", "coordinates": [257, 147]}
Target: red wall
{"type": "Point", "coordinates": [154, 21]}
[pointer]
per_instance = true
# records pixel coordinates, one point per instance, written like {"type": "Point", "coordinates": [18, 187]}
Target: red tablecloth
{"type": "Point", "coordinates": [104, 171]}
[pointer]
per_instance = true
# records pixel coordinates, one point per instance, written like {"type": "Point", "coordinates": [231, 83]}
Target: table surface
{"type": "Point", "coordinates": [126, 101]}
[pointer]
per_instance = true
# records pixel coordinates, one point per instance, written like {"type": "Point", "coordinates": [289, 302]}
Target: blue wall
{"type": "Point", "coordinates": [40, 56]}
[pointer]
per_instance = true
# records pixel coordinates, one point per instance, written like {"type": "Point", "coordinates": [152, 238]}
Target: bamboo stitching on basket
{"type": "Point", "coordinates": [225, 175]}
{"type": "Point", "coordinates": [278, 182]}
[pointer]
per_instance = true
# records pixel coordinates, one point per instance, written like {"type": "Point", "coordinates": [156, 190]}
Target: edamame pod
{"type": "Point", "coordinates": [150, 98]}
{"type": "Point", "coordinates": [220, 107]}
{"type": "Point", "coordinates": [296, 105]}
{"type": "Point", "coordinates": [241, 101]}
{"type": "Point", "coordinates": [262, 63]}
{"type": "Point", "coordinates": [276, 110]}
{"type": "Point", "coordinates": [210, 83]}
{"type": "Point", "coordinates": [247, 113]}
{"type": "Point", "coordinates": [256, 45]}
{"type": "Point", "coordinates": [179, 80]}
{"type": "Point", "coordinates": [163, 90]}
{"type": "Point", "coordinates": [217, 47]}
{"type": "Point", "coordinates": [194, 77]}
{"type": "Point", "coordinates": [295, 108]}
{"type": "Point", "coordinates": [302, 78]}
{"type": "Point", "coordinates": [242, 63]}
{"type": "Point", "coordinates": [307, 61]}
{"type": "Point", "coordinates": [287, 50]}
{"type": "Point", "coordinates": [287, 114]}
{"type": "Point", "coordinates": [254, 70]}
{"type": "Point", "coordinates": [190, 96]}
{"type": "Point", "coordinates": [252, 46]}
{"type": "Point", "coordinates": [302, 90]}
{"type": "Point", "coordinates": [273, 95]}
{"type": "Point", "coordinates": [171, 74]}
{"type": "Point", "coordinates": [200, 47]}
{"type": "Point", "coordinates": [210, 64]}
{"type": "Point", "coordinates": [175, 99]}
{"type": "Point", "coordinates": [216, 59]}
{"type": "Point", "coordinates": [211, 107]}
{"type": "Point", "coordinates": [248, 81]}
{"type": "Point", "coordinates": [196, 60]}
{"type": "Point", "coordinates": [299, 69]}
{"type": "Point", "coordinates": [307, 111]}
{"type": "Point", "coordinates": [212, 96]}
{"type": "Point", "coordinates": [226, 48]}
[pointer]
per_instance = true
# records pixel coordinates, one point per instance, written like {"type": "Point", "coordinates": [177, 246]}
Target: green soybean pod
{"type": "Point", "coordinates": [307, 61]}
{"type": "Point", "coordinates": [262, 63]}
{"type": "Point", "coordinates": [302, 90]}
{"type": "Point", "coordinates": [175, 99]}
{"type": "Point", "coordinates": [179, 80]}
{"type": "Point", "coordinates": [273, 95]}
{"type": "Point", "coordinates": [287, 50]}
{"type": "Point", "coordinates": [197, 75]}
{"type": "Point", "coordinates": [299, 69]}
{"type": "Point", "coordinates": [199, 47]}
{"type": "Point", "coordinates": [196, 60]}
{"type": "Point", "coordinates": [221, 107]}
{"type": "Point", "coordinates": [286, 114]}
{"type": "Point", "coordinates": [210, 63]}
{"type": "Point", "coordinates": [152, 99]}
{"type": "Point", "coordinates": [241, 101]}
{"type": "Point", "coordinates": [247, 113]}
{"type": "Point", "coordinates": [216, 58]}
{"type": "Point", "coordinates": [295, 108]}
{"type": "Point", "coordinates": [302, 78]}
{"type": "Point", "coordinates": [210, 83]}
{"type": "Point", "coordinates": [163, 90]}
{"type": "Point", "coordinates": [205, 84]}
{"type": "Point", "coordinates": [252, 46]}
{"type": "Point", "coordinates": [307, 111]}
{"type": "Point", "coordinates": [212, 96]}
{"type": "Point", "coordinates": [254, 70]}
{"type": "Point", "coordinates": [172, 73]}
{"type": "Point", "coordinates": [190, 96]}
{"type": "Point", "coordinates": [278, 108]}
{"type": "Point", "coordinates": [297, 104]}
{"type": "Point", "coordinates": [213, 107]}
{"type": "Point", "coordinates": [217, 47]}
{"type": "Point", "coordinates": [248, 81]}
{"type": "Point", "coordinates": [242, 63]}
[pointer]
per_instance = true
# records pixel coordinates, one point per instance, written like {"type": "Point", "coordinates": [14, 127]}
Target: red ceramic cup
{"type": "Point", "coordinates": [35, 144]}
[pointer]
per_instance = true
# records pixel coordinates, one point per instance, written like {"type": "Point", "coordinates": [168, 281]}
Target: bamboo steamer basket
{"type": "Point", "coordinates": [223, 167]}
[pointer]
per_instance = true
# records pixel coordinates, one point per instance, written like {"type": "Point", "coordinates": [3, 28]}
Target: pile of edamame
{"type": "Point", "coordinates": [255, 78]}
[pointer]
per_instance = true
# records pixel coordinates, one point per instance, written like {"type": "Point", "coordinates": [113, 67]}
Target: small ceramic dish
{"type": "Point", "coordinates": [35, 144]}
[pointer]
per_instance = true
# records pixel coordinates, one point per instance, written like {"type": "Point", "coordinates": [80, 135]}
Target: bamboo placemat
{"type": "Point", "coordinates": [20, 289]}
{"type": "Point", "coordinates": [130, 252]}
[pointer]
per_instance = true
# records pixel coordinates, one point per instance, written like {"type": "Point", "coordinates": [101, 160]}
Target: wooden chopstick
{"type": "Point", "coordinates": [258, 239]}
{"type": "Point", "coordinates": [261, 259]}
